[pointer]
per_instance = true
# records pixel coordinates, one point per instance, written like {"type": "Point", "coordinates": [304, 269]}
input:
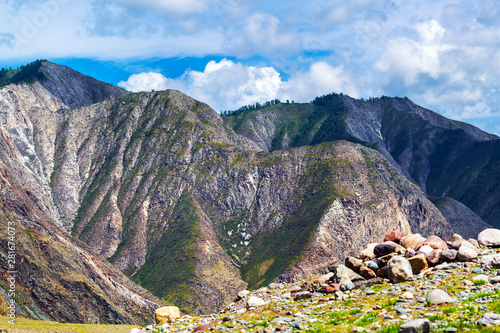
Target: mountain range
{"type": "Point", "coordinates": [107, 187]}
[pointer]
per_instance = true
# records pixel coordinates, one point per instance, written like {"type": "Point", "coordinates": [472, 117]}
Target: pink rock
{"type": "Point", "coordinates": [203, 328]}
{"type": "Point", "coordinates": [457, 243]}
{"type": "Point", "coordinates": [436, 243]}
{"type": "Point", "coordinates": [367, 273]}
{"type": "Point", "coordinates": [393, 236]}
{"type": "Point", "coordinates": [434, 257]}
{"type": "Point", "coordinates": [330, 289]}
{"type": "Point", "coordinates": [413, 241]}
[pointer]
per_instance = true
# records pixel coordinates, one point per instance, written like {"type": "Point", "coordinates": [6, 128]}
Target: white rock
{"type": "Point", "coordinates": [465, 253]}
{"type": "Point", "coordinates": [254, 301]}
{"type": "Point", "coordinates": [135, 330]}
{"type": "Point", "coordinates": [242, 294]}
{"type": "Point", "coordinates": [481, 278]}
{"type": "Point", "coordinates": [489, 237]}
{"type": "Point", "coordinates": [407, 295]}
{"type": "Point", "coordinates": [427, 249]}
{"type": "Point", "coordinates": [438, 296]}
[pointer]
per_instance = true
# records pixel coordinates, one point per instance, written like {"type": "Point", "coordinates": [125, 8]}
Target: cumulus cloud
{"type": "Point", "coordinates": [184, 6]}
{"type": "Point", "coordinates": [229, 85]}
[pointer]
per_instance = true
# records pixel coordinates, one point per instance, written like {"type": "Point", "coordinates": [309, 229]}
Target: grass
{"type": "Point", "coordinates": [28, 325]}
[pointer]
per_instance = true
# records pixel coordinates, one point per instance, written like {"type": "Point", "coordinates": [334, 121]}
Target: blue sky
{"type": "Point", "coordinates": [444, 55]}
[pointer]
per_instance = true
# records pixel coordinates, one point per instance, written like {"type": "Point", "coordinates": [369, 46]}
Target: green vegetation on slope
{"type": "Point", "coordinates": [23, 74]}
{"type": "Point", "coordinates": [279, 249]}
{"type": "Point", "coordinates": [170, 264]}
{"type": "Point", "coordinates": [322, 120]}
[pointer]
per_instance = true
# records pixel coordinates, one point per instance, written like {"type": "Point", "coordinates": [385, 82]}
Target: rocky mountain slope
{"type": "Point", "coordinates": [56, 276]}
{"type": "Point", "coordinates": [163, 188]}
{"type": "Point", "coordinates": [445, 158]}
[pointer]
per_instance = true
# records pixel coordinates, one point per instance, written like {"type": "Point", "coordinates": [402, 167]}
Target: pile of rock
{"type": "Point", "coordinates": [399, 257]}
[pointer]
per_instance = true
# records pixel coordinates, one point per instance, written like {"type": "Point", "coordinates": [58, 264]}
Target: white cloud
{"type": "Point", "coordinates": [228, 85]}
{"type": "Point", "coordinates": [184, 6]}
{"type": "Point", "coordinates": [408, 58]}
{"type": "Point", "coordinates": [145, 82]}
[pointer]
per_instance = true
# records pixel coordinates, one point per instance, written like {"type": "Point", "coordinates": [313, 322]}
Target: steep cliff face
{"type": "Point", "coordinates": [444, 157]}
{"type": "Point", "coordinates": [57, 277]}
{"type": "Point", "coordinates": [163, 188]}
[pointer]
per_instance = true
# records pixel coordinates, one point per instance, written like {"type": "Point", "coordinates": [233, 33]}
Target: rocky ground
{"type": "Point", "coordinates": [457, 296]}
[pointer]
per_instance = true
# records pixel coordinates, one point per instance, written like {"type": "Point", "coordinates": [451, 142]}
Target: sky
{"type": "Point", "coordinates": [444, 55]}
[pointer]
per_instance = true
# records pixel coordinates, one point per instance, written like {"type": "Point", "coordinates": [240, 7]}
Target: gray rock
{"type": "Point", "coordinates": [346, 285]}
{"type": "Point", "coordinates": [489, 319]}
{"type": "Point", "coordinates": [495, 279]}
{"type": "Point", "coordinates": [434, 257]}
{"type": "Point", "coordinates": [490, 261]}
{"type": "Point", "coordinates": [449, 256]}
{"type": "Point", "coordinates": [416, 326]}
{"type": "Point", "coordinates": [465, 253]}
{"type": "Point", "coordinates": [341, 272]}
{"type": "Point", "coordinates": [372, 265]}
{"type": "Point", "coordinates": [489, 237]}
{"type": "Point", "coordinates": [438, 296]}
{"type": "Point", "coordinates": [399, 269]}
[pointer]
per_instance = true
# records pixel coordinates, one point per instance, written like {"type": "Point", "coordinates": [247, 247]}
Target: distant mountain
{"type": "Point", "coordinates": [445, 158]}
{"type": "Point", "coordinates": [191, 206]}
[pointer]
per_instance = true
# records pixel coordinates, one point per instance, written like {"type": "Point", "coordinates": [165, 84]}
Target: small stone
{"type": "Point", "coordinates": [407, 295]}
{"type": "Point", "coordinates": [254, 301]}
{"type": "Point", "coordinates": [478, 270]}
{"type": "Point", "coordinates": [495, 279]}
{"type": "Point", "coordinates": [135, 330]}
{"type": "Point", "coordinates": [393, 236]}
{"type": "Point", "coordinates": [371, 265]}
{"type": "Point", "coordinates": [449, 255]}
{"type": "Point", "coordinates": [324, 279]}
{"type": "Point", "coordinates": [413, 241]}
{"type": "Point", "coordinates": [465, 253]}
{"type": "Point", "coordinates": [438, 296]}
{"type": "Point", "coordinates": [481, 277]}
{"type": "Point", "coordinates": [166, 315]}
{"type": "Point", "coordinates": [436, 243]}
{"type": "Point", "coordinates": [384, 249]}
{"type": "Point", "coordinates": [242, 294]}
{"type": "Point", "coordinates": [416, 326]}
{"type": "Point", "coordinates": [203, 328]}
{"type": "Point", "coordinates": [346, 284]}
{"type": "Point", "coordinates": [330, 289]}
{"type": "Point", "coordinates": [418, 263]}
{"type": "Point", "coordinates": [367, 273]}
{"type": "Point", "coordinates": [434, 257]}
{"type": "Point", "coordinates": [489, 319]}
{"type": "Point", "coordinates": [353, 263]}
{"type": "Point", "coordinates": [490, 261]}
{"type": "Point", "coordinates": [301, 295]}
{"type": "Point", "coordinates": [489, 237]}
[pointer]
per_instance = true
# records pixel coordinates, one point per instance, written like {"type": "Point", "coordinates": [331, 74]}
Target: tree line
{"type": "Point", "coordinates": [26, 73]}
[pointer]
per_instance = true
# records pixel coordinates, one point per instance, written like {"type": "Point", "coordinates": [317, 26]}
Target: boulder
{"type": "Point", "coordinates": [353, 263]}
{"type": "Point", "coordinates": [253, 302]}
{"type": "Point", "coordinates": [438, 296]}
{"type": "Point", "coordinates": [449, 255]}
{"type": "Point", "coordinates": [468, 244]}
{"type": "Point", "coordinates": [426, 249]}
{"type": "Point", "coordinates": [489, 237]}
{"type": "Point", "coordinates": [167, 314]}
{"type": "Point", "coordinates": [418, 263]}
{"type": "Point", "coordinates": [383, 249]}
{"type": "Point", "coordinates": [416, 326]}
{"type": "Point", "coordinates": [324, 279]}
{"type": "Point", "coordinates": [341, 272]}
{"type": "Point", "coordinates": [454, 238]}
{"type": "Point", "coordinates": [393, 236]}
{"type": "Point", "coordinates": [368, 252]}
{"type": "Point", "coordinates": [399, 249]}
{"type": "Point", "coordinates": [436, 243]}
{"type": "Point", "coordinates": [465, 253]}
{"type": "Point", "coordinates": [434, 257]}
{"type": "Point", "coordinates": [457, 243]}
{"type": "Point", "coordinates": [413, 241]}
{"type": "Point", "coordinates": [367, 273]}
{"type": "Point", "coordinates": [474, 242]}
{"type": "Point", "coordinates": [399, 269]}
{"type": "Point", "coordinates": [490, 261]}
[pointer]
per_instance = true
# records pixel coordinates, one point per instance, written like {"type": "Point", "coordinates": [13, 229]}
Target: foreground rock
{"type": "Point", "coordinates": [416, 326]}
{"type": "Point", "coordinates": [166, 315]}
{"type": "Point", "coordinates": [489, 237]}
